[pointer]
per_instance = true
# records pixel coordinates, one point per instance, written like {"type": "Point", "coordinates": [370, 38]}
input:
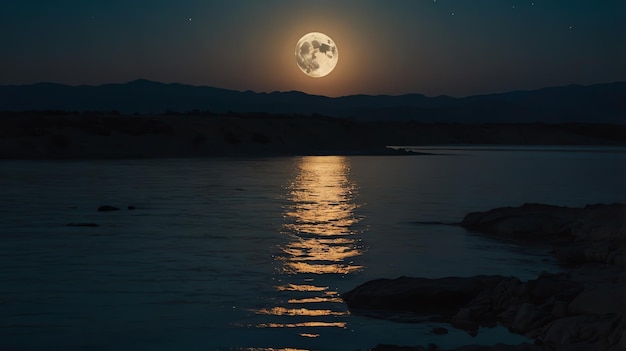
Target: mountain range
{"type": "Point", "coordinates": [599, 103]}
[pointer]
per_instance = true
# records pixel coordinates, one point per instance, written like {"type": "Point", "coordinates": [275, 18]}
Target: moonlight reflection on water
{"type": "Point", "coordinates": [320, 217]}
{"type": "Point", "coordinates": [319, 220]}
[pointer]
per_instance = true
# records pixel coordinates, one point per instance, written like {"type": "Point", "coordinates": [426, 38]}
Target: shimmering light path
{"type": "Point", "coordinates": [319, 220]}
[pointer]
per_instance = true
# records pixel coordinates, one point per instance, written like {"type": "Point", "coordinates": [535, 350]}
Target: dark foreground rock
{"type": "Point", "coordinates": [497, 347]}
{"type": "Point", "coordinates": [561, 314]}
{"type": "Point", "coordinates": [595, 233]}
{"type": "Point", "coordinates": [581, 309]}
{"type": "Point", "coordinates": [427, 299]}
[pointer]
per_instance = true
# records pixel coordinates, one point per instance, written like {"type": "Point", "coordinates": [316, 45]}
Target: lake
{"type": "Point", "coordinates": [252, 254]}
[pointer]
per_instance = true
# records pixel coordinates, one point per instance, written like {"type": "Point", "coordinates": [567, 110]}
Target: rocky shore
{"type": "Point", "coordinates": [582, 308]}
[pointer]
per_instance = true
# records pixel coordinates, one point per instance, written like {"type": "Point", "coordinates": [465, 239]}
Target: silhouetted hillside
{"type": "Point", "coordinates": [64, 135]}
{"type": "Point", "coordinates": [601, 103]}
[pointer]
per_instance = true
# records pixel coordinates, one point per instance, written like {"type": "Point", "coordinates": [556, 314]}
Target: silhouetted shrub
{"type": "Point", "coordinates": [198, 140]}
{"type": "Point", "coordinates": [55, 112]}
{"type": "Point", "coordinates": [60, 140]}
{"type": "Point", "coordinates": [196, 112]}
{"type": "Point", "coordinates": [231, 138]}
{"type": "Point", "coordinates": [260, 138]}
{"type": "Point", "coordinates": [160, 129]}
{"type": "Point", "coordinates": [34, 132]}
{"type": "Point", "coordinates": [99, 130]}
{"type": "Point", "coordinates": [170, 112]}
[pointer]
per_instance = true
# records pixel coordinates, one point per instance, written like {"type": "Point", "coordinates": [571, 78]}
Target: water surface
{"type": "Point", "coordinates": [252, 253]}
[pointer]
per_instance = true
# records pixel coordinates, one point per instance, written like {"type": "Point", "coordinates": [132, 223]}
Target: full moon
{"type": "Point", "coordinates": [316, 54]}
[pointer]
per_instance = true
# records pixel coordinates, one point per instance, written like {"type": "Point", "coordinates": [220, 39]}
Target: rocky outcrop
{"type": "Point", "coordinates": [581, 309]}
{"type": "Point", "coordinates": [428, 299]}
{"type": "Point", "coordinates": [107, 208]}
{"type": "Point", "coordinates": [432, 347]}
{"type": "Point", "coordinates": [595, 233]}
{"type": "Point", "coordinates": [470, 302]}
{"type": "Point", "coordinates": [552, 309]}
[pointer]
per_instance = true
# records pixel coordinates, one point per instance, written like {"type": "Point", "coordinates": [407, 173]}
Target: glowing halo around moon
{"type": "Point", "coordinates": [316, 54]}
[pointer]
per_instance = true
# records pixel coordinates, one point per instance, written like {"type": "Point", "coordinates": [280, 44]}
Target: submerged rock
{"type": "Point", "coordinates": [107, 208]}
{"type": "Point", "coordinates": [83, 225]}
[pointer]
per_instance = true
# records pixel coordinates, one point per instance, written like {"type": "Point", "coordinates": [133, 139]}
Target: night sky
{"type": "Point", "coordinates": [453, 47]}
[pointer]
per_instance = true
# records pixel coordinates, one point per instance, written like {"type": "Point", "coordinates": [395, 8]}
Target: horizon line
{"type": "Point", "coordinates": [305, 93]}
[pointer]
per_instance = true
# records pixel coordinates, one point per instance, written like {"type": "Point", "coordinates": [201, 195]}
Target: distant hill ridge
{"type": "Point", "coordinates": [599, 103]}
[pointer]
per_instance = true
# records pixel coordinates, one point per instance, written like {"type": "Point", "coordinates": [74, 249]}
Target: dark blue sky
{"type": "Point", "coordinates": [454, 47]}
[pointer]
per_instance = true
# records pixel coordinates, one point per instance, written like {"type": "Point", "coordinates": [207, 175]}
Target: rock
{"type": "Point", "coordinates": [384, 347]}
{"type": "Point", "coordinates": [466, 320]}
{"type": "Point", "coordinates": [82, 225]}
{"type": "Point", "coordinates": [433, 347]}
{"type": "Point", "coordinates": [571, 255]}
{"type": "Point", "coordinates": [621, 337]}
{"type": "Point", "coordinates": [470, 302]}
{"type": "Point", "coordinates": [530, 317]}
{"type": "Point", "coordinates": [601, 222]}
{"type": "Point", "coordinates": [581, 309]}
{"type": "Point", "coordinates": [107, 208]}
{"type": "Point", "coordinates": [130, 207]}
{"type": "Point", "coordinates": [508, 291]}
{"type": "Point", "coordinates": [603, 332]}
{"type": "Point", "coordinates": [552, 287]}
{"type": "Point", "coordinates": [538, 221]}
{"type": "Point", "coordinates": [542, 308]}
{"type": "Point", "coordinates": [595, 233]}
{"type": "Point", "coordinates": [439, 299]}
{"type": "Point", "coordinates": [528, 222]}
{"type": "Point", "coordinates": [559, 310]}
{"type": "Point", "coordinates": [604, 299]}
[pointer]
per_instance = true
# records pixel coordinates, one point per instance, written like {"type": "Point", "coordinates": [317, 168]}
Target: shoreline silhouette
{"type": "Point", "coordinates": [110, 135]}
